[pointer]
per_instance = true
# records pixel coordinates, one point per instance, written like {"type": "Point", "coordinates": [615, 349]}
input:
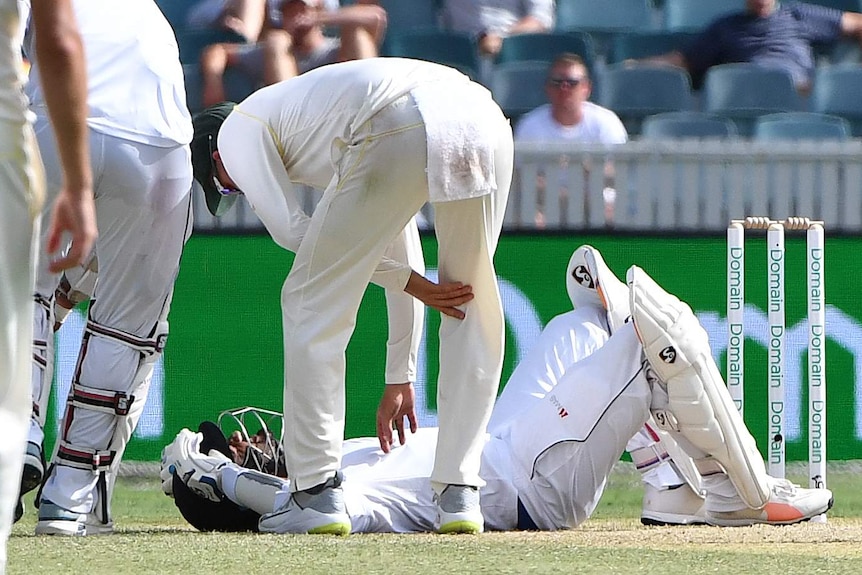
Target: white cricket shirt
{"type": "Point", "coordinates": [134, 77]}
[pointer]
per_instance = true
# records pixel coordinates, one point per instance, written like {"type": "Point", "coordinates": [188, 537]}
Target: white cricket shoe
{"type": "Point", "coordinates": [677, 505]}
{"type": "Point", "coordinates": [788, 504]}
{"type": "Point", "coordinates": [319, 511]}
{"type": "Point", "coordinates": [590, 282]}
{"type": "Point", "coordinates": [55, 520]}
{"type": "Point", "coordinates": [458, 510]}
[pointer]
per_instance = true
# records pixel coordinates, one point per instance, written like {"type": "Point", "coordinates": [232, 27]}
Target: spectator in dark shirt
{"type": "Point", "coordinates": [769, 34]}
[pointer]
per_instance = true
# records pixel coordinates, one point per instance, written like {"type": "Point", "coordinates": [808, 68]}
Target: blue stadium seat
{"type": "Point", "coordinates": [801, 126]}
{"type": "Point", "coordinates": [594, 16]}
{"type": "Point", "coordinates": [415, 14]}
{"type": "Point", "coordinates": [175, 11]}
{"type": "Point", "coordinates": [518, 87]}
{"type": "Point", "coordinates": [635, 92]}
{"type": "Point", "coordinates": [694, 15]}
{"type": "Point", "coordinates": [838, 91]}
{"type": "Point", "coordinates": [441, 46]}
{"type": "Point", "coordinates": [677, 125]}
{"type": "Point", "coordinates": [742, 92]}
{"type": "Point", "coordinates": [843, 5]}
{"type": "Point", "coordinates": [545, 47]}
{"type": "Point", "coordinates": [636, 45]}
{"type": "Point", "coordinates": [192, 42]}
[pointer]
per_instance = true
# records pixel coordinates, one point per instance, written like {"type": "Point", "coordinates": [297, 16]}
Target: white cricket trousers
{"type": "Point", "coordinates": [380, 183]}
{"type": "Point", "coordinates": [143, 213]}
{"type": "Point", "coordinates": [564, 446]}
{"type": "Point", "coordinates": [21, 197]}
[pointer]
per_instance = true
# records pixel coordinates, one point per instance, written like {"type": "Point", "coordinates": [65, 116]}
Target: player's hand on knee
{"type": "Point", "coordinates": [445, 297]}
{"type": "Point", "coordinates": [397, 403]}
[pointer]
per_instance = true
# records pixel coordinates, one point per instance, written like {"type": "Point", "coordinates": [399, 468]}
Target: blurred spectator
{"type": "Point", "coordinates": [245, 17]}
{"type": "Point", "coordinates": [570, 117]}
{"type": "Point", "coordinates": [490, 21]}
{"type": "Point", "coordinates": [297, 43]}
{"type": "Point", "coordinates": [769, 34]}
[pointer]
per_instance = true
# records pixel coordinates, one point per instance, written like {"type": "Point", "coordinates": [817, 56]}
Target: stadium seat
{"type": "Point", "coordinates": [837, 91]}
{"type": "Point", "coordinates": [191, 42]}
{"type": "Point", "coordinates": [603, 17]}
{"type": "Point", "coordinates": [677, 125]}
{"type": "Point", "coordinates": [742, 92]}
{"type": "Point", "coordinates": [412, 15]}
{"type": "Point", "coordinates": [635, 92]}
{"type": "Point", "coordinates": [695, 15]}
{"type": "Point", "coordinates": [545, 47]}
{"type": "Point", "coordinates": [636, 45]}
{"type": "Point", "coordinates": [843, 5]}
{"type": "Point", "coordinates": [801, 126]}
{"type": "Point", "coordinates": [518, 87]}
{"type": "Point", "coordinates": [175, 11]}
{"type": "Point", "coordinates": [441, 46]}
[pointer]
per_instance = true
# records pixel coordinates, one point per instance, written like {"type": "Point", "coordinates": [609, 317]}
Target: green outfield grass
{"type": "Point", "coordinates": [152, 538]}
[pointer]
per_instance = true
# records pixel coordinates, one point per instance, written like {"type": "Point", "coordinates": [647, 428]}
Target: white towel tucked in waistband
{"type": "Point", "coordinates": [462, 126]}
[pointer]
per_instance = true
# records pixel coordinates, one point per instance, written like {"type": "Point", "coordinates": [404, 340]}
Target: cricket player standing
{"type": "Point", "coordinates": [382, 136]}
{"type": "Point", "coordinates": [139, 130]}
{"type": "Point", "coordinates": [21, 197]}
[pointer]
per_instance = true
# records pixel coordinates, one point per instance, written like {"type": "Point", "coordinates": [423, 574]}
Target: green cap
{"type": "Point", "coordinates": [204, 142]}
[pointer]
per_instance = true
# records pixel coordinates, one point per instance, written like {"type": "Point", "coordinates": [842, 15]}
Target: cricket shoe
{"type": "Point", "coordinates": [319, 510]}
{"type": "Point", "coordinates": [788, 504]}
{"type": "Point", "coordinates": [55, 520]}
{"type": "Point", "coordinates": [458, 510]}
{"type": "Point", "coordinates": [675, 505]}
{"type": "Point", "coordinates": [34, 468]}
{"type": "Point", "coordinates": [590, 282]}
{"type": "Point", "coordinates": [31, 475]}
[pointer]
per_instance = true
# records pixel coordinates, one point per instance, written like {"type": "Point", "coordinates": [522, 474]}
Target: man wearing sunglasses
{"type": "Point", "coordinates": [569, 116]}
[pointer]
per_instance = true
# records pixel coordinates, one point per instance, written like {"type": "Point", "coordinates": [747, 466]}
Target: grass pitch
{"type": "Point", "coordinates": [152, 538]}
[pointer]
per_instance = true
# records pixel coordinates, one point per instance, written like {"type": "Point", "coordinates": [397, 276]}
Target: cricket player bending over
{"type": "Point", "coordinates": [546, 465]}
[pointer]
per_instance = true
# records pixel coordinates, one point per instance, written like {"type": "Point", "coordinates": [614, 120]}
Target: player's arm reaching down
{"type": "Point", "coordinates": [60, 52]}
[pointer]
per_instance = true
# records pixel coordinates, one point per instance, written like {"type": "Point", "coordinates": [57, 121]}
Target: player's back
{"type": "Point", "coordinates": [134, 77]}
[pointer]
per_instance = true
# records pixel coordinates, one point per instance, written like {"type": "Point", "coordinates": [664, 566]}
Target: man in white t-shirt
{"type": "Point", "coordinates": [139, 134]}
{"type": "Point", "coordinates": [570, 117]}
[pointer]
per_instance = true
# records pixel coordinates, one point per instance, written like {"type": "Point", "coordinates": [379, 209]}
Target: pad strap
{"type": "Point", "coordinates": [147, 346]}
{"type": "Point", "coordinates": [648, 457]}
{"type": "Point", "coordinates": [105, 401]}
{"type": "Point", "coordinates": [84, 457]}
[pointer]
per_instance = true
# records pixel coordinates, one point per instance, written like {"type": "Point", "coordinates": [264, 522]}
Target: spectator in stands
{"type": "Point", "coordinates": [245, 17]}
{"type": "Point", "coordinates": [298, 43]}
{"type": "Point", "coordinates": [490, 21]}
{"type": "Point", "coordinates": [770, 34]}
{"type": "Point", "coordinates": [570, 117]}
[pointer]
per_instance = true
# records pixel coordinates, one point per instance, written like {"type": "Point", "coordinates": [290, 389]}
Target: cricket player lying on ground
{"type": "Point", "coordinates": [546, 464]}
